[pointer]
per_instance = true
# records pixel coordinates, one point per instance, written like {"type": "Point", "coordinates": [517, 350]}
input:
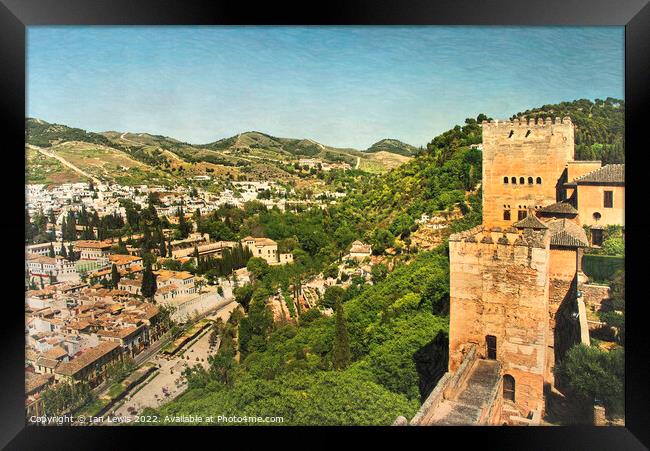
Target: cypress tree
{"type": "Point", "coordinates": [162, 248]}
{"type": "Point", "coordinates": [51, 251]}
{"type": "Point", "coordinates": [115, 276]}
{"type": "Point", "coordinates": [71, 254]}
{"type": "Point", "coordinates": [341, 349]}
{"type": "Point", "coordinates": [63, 252]}
{"type": "Point", "coordinates": [64, 229]}
{"type": "Point", "coordinates": [121, 248]}
{"type": "Point", "coordinates": [149, 285]}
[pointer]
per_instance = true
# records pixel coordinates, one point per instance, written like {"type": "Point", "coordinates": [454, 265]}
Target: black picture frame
{"type": "Point", "coordinates": [16, 15]}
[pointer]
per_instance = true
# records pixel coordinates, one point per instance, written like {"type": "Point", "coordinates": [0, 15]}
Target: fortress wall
{"type": "Point", "coordinates": [501, 290]}
{"type": "Point", "coordinates": [522, 149]}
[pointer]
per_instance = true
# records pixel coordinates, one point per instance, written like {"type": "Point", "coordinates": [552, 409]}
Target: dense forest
{"type": "Point", "coordinates": [290, 371]}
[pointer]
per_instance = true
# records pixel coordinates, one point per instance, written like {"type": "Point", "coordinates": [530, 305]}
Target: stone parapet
{"type": "Point", "coordinates": [526, 122]}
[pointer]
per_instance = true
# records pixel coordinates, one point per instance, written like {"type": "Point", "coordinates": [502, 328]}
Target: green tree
{"type": "Point", "coordinates": [258, 268]}
{"type": "Point", "coordinates": [381, 240]}
{"type": "Point", "coordinates": [379, 272]}
{"type": "Point", "coordinates": [115, 276]}
{"type": "Point", "coordinates": [593, 374]}
{"type": "Point", "coordinates": [243, 295]}
{"type": "Point", "coordinates": [332, 297]}
{"type": "Point", "coordinates": [121, 247]}
{"type": "Point", "coordinates": [184, 227]}
{"type": "Point", "coordinates": [149, 285]}
{"type": "Point", "coordinates": [222, 366]}
{"type": "Point", "coordinates": [341, 349]}
{"type": "Point", "coordinates": [51, 252]}
{"type": "Point", "coordinates": [217, 329]}
{"type": "Point", "coordinates": [256, 326]}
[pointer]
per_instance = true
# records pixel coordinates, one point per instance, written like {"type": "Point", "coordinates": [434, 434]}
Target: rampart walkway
{"type": "Point", "coordinates": [467, 407]}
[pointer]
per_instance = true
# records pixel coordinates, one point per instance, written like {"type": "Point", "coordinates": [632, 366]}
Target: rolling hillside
{"type": "Point", "coordinates": [135, 158]}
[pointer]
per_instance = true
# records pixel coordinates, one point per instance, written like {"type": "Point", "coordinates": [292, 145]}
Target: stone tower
{"type": "Point", "coordinates": [514, 279]}
{"type": "Point", "coordinates": [523, 162]}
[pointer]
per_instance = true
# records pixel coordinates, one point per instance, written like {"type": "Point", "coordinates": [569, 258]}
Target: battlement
{"type": "Point", "coordinates": [525, 122]}
{"type": "Point", "coordinates": [498, 236]}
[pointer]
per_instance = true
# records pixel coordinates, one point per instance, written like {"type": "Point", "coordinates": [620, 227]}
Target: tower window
{"type": "Point", "coordinates": [514, 180]}
{"type": "Point", "coordinates": [506, 215]}
{"type": "Point", "coordinates": [609, 199]}
{"type": "Point", "coordinates": [530, 180]}
{"type": "Point", "coordinates": [508, 387]}
{"type": "Point", "coordinates": [505, 180]}
{"type": "Point", "coordinates": [522, 180]}
{"type": "Point", "coordinates": [521, 214]}
{"type": "Point", "coordinates": [539, 180]}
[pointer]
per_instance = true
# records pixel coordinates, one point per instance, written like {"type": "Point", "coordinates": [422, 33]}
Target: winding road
{"type": "Point", "coordinates": [65, 163]}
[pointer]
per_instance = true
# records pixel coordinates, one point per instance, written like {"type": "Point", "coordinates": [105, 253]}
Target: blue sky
{"type": "Point", "coordinates": [341, 86]}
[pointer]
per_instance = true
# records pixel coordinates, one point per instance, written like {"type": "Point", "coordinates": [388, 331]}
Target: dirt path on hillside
{"type": "Point", "coordinates": [65, 163]}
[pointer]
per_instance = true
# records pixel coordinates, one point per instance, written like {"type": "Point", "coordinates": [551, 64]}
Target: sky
{"type": "Point", "coordinates": [340, 86]}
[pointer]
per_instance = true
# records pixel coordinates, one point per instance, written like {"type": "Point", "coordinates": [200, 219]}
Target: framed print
{"type": "Point", "coordinates": [397, 217]}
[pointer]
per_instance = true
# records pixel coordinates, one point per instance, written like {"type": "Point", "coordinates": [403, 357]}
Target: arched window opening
{"type": "Point", "coordinates": [539, 180]}
{"type": "Point", "coordinates": [508, 387]}
{"type": "Point", "coordinates": [530, 180]}
{"type": "Point", "coordinates": [522, 180]}
{"type": "Point", "coordinates": [505, 180]}
{"type": "Point", "coordinates": [514, 180]}
{"type": "Point", "coordinates": [506, 215]}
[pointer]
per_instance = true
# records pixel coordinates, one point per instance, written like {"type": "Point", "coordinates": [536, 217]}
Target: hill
{"type": "Point", "coordinates": [393, 146]}
{"type": "Point", "coordinates": [263, 145]}
{"type": "Point", "coordinates": [160, 159]}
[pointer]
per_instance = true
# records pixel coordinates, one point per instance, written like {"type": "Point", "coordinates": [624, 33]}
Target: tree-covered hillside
{"type": "Point", "coordinates": [393, 146]}
{"type": "Point", "coordinates": [396, 352]}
